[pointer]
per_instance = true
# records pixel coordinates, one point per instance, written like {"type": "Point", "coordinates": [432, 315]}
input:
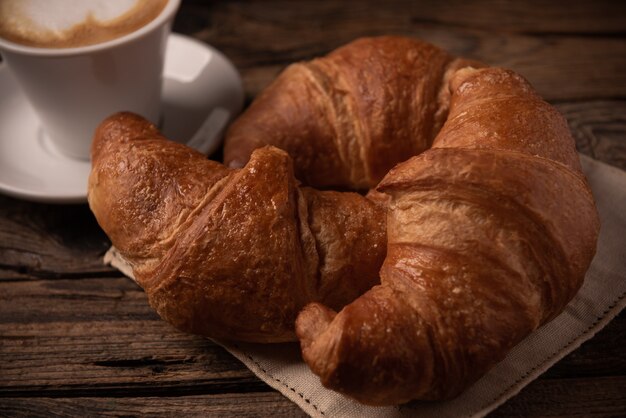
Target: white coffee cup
{"type": "Point", "coordinates": [73, 89]}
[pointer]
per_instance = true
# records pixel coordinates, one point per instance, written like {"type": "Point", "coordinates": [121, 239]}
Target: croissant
{"type": "Point", "coordinates": [489, 235]}
{"type": "Point", "coordinates": [232, 254]}
{"type": "Point", "coordinates": [346, 119]}
{"type": "Point", "coordinates": [479, 229]}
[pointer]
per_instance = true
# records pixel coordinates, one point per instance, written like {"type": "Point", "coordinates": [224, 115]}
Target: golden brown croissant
{"type": "Point", "coordinates": [490, 233]}
{"type": "Point", "coordinates": [349, 117]}
{"type": "Point", "coordinates": [230, 254]}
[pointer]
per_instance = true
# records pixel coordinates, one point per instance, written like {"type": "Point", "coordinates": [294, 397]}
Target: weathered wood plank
{"type": "Point", "coordinates": [98, 335]}
{"type": "Point", "coordinates": [86, 336]}
{"type": "Point", "coordinates": [262, 38]}
{"type": "Point", "coordinates": [599, 128]}
{"type": "Point", "coordinates": [554, 397]}
{"type": "Point", "coordinates": [601, 397]}
{"type": "Point", "coordinates": [600, 17]}
{"type": "Point", "coordinates": [263, 404]}
{"type": "Point", "coordinates": [536, 17]}
{"type": "Point", "coordinates": [116, 359]}
{"type": "Point", "coordinates": [39, 240]}
{"type": "Point", "coordinates": [73, 301]}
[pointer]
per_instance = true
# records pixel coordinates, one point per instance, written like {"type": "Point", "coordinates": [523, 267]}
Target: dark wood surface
{"type": "Point", "coordinates": [79, 339]}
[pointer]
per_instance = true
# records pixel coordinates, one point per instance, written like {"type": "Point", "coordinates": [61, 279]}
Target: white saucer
{"type": "Point", "coordinates": [202, 92]}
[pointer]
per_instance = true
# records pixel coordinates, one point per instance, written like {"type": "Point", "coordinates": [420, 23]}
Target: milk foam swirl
{"type": "Point", "coordinates": [73, 23]}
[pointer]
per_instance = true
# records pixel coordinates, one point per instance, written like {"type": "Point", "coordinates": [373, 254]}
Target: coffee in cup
{"type": "Point", "coordinates": [73, 23]}
{"type": "Point", "coordinates": [79, 61]}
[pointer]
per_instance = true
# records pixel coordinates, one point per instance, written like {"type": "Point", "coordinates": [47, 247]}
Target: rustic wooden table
{"type": "Point", "coordinates": [78, 338]}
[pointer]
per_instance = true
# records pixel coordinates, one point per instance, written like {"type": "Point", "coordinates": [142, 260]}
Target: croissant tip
{"type": "Point", "coordinates": [317, 341]}
{"type": "Point", "coordinates": [121, 126]}
{"type": "Point", "coordinates": [461, 76]}
{"type": "Point", "coordinates": [312, 320]}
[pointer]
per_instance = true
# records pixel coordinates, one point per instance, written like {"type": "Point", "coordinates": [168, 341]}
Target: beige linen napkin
{"type": "Point", "coordinates": [601, 298]}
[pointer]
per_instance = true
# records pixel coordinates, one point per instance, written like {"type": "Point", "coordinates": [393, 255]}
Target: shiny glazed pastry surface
{"type": "Point", "coordinates": [231, 254]}
{"type": "Point", "coordinates": [481, 229]}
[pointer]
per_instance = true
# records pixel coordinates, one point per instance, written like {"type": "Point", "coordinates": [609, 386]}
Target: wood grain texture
{"type": "Point", "coordinates": [84, 336]}
{"type": "Point", "coordinates": [90, 335]}
{"type": "Point", "coordinates": [253, 404]}
{"type": "Point", "coordinates": [38, 240]}
{"type": "Point", "coordinates": [78, 339]}
{"type": "Point", "coordinates": [599, 128]}
{"type": "Point", "coordinates": [263, 37]}
{"type": "Point", "coordinates": [602, 397]}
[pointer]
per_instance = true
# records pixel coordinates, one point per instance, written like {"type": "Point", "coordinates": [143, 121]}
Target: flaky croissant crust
{"type": "Point", "coordinates": [349, 117]}
{"type": "Point", "coordinates": [489, 235]}
{"type": "Point", "coordinates": [230, 254]}
{"type": "Point", "coordinates": [482, 232]}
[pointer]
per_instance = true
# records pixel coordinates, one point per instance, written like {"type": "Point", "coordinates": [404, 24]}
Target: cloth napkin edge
{"type": "Point", "coordinates": [602, 321]}
{"type": "Point", "coordinates": [290, 393]}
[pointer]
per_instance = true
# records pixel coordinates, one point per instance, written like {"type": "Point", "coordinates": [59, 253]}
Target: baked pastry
{"type": "Point", "coordinates": [489, 235]}
{"type": "Point", "coordinates": [487, 223]}
{"type": "Point", "coordinates": [346, 119]}
{"type": "Point", "coordinates": [229, 254]}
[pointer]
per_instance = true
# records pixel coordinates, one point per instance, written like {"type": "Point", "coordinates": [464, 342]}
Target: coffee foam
{"type": "Point", "coordinates": [72, 23]}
